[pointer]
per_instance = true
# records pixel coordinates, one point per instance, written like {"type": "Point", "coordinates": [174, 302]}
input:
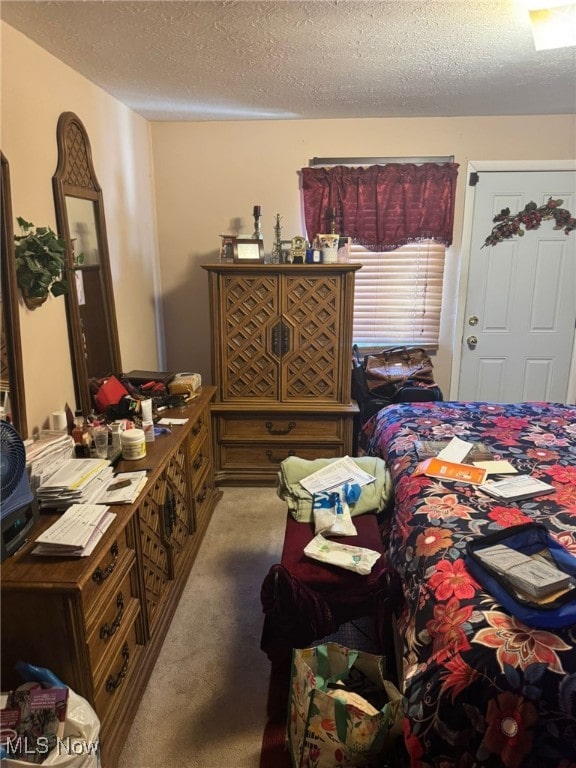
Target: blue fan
{"type": "Point", "coordinates": [18, 508]}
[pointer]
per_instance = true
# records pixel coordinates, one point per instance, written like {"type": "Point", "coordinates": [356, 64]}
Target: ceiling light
{"type": "Point", "coordinates": [553, 26]}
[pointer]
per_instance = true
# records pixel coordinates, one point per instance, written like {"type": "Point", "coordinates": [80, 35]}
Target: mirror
{"type": "Point", "coordinates": [91, 314]}
{"type": "Point", "coordinates": [11, 376]}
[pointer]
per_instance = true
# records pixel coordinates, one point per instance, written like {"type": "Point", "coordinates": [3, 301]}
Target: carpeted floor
{"type": "Point", "coordinates": [205, 703]}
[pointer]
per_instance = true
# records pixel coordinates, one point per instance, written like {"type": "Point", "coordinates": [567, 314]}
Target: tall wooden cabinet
{"type": "Point", "coordinates": [99, 622]}
{"type": "Point", "coordinates": [281, 352]}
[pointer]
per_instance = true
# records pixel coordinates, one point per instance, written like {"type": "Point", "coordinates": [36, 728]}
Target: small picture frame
{"type": "Point", "coordinates": [246, 251]}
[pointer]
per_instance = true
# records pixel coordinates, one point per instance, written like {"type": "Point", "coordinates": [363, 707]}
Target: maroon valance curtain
{"type": "Point", "coordinates": [383, 206]}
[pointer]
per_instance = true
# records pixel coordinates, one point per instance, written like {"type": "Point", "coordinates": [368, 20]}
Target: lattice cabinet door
{"type": "Point", "coordinates": [283, 336]}
{"type": "Point", "coordinates": [157, 566]}
{"type": "Point", "coordinates": [166, 523]}
{"type": "Point", "coordinates": [177, 520]}
{"type": "Point", "coordinates": [311, 338]}
{"type": "Point", "coordinates": [250, 351]}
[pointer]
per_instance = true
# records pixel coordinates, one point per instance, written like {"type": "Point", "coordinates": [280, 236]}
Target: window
{"type": "Point", "coordinates": [398, 295]}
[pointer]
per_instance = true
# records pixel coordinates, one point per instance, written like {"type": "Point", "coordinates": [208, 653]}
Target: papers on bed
{"type": "Point", "coordinates": [449, 463]}
{"type": "Point", "coordinates": [448, 470]}
{"type": "Point", "coordinates": [333, 476]}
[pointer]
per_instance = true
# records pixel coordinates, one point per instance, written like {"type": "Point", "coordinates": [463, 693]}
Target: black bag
{"type": "Point", "coordinates": [370, 401]}
{"type": "Point", "coordinates": [413, 393]}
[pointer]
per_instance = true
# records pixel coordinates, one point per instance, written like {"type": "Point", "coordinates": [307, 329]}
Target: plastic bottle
{"type": "Point", "coordinates": [81, 436]}
{"type": "Point", "coordinates": [133, 444]}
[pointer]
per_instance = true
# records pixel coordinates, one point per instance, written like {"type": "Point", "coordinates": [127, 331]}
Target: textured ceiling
{"type": "Point", "coordinates": [171, 60]}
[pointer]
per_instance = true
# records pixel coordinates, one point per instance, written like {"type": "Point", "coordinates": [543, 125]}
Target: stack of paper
{"type": "Point", "coordinates": [46, 455]}
{"type": "Point", "coordinates": [334, 475]}
{"type": "Point", "coordinates": [534, 576]}
{"type": "Point", "coordinates": [123, 489]}
{"type": "Point", "coordinates": [76, 533]}
{"type": "Point", "coordinates": [517, 488]}
{"type": "Point", "coordinates": [78, 481]}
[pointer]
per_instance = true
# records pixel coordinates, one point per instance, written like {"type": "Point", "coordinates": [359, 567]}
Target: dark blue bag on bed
{"type": "Point", "coordinates": [528, 538]}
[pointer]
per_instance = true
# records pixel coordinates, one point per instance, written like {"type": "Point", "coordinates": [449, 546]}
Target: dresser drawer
{"type": "Point", "coordinates": [112, 560]}
{"type": "Point", "coordinates": [203, 498]}
{"type": "Point", "coordinates": [268, 456]}
{"type": "Point", "coordinates": [199, 431]}
{"type": "Point", "coordinates": [109, 621]}
{"type": "Point", "coordinates": [113, 681]}
{"type": "Point", "coordinates": [200, 461]}
{"type": "Point", "coordinates": [287, 427]}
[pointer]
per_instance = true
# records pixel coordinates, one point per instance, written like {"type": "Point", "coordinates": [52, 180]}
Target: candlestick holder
{"type": "Point", "coordinates": [332, 220]}
{"type": "Point", "coordinates": [276, 257]}
{"type": "Point", "coordinates": [257, 234]}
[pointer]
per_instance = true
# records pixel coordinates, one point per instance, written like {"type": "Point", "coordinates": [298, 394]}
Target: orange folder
{"type": "Point", "coordinates": [448, 470]}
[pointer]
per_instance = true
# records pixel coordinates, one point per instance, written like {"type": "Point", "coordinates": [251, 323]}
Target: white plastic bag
{"type": "Point", "coordinates": [357, 559]}
{"type": "Point", "coordinates": [332, 515]}
{"type": "Point", "coordinates": [79, 747]}
{"type": "Point", "coordinates": [331, 511]}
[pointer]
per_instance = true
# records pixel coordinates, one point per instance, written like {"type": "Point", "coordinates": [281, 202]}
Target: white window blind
{"type": "Point", "coordinates": [398, 295]}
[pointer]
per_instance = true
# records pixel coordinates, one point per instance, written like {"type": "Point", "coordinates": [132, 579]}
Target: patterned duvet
{"type": "Point", "coordinates": [481, 689]}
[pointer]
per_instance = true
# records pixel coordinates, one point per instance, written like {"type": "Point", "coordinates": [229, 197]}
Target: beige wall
{"type": "Point", "coordinates": [210, 175]}
{"type": "Point", "coordinates": [36, 89]}
{"type": "Point", "coordinates": [198, 180]}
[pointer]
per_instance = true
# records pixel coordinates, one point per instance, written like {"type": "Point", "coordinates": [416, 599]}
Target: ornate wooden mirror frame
{"type": "Point", "coordinates": [92, 328]}
{"type": "Point", "coordinates": [12, 379]}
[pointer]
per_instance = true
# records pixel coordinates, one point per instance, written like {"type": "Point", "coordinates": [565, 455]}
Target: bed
{"type": "Point", "coordinates": [482, 690]}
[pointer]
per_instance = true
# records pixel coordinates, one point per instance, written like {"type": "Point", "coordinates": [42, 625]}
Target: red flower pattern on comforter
{"type": "Point", "coordinates": [482, 690]}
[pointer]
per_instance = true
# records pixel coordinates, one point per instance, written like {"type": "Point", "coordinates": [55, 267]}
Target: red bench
{"type": "Point", "coordinates": [304, 599]}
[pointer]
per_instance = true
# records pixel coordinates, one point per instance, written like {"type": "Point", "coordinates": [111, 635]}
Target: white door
{"type": "Point", "coordinates": [520, 307]}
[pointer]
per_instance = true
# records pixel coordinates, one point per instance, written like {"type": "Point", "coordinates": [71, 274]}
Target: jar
{"type": "Point", "coordinates": [133, 444]}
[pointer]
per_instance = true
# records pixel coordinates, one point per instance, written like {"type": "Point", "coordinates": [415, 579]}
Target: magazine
{"type": "Point", "coordinates": [35, 717]}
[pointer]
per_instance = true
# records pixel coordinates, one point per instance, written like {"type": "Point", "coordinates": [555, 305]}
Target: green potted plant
{"type": "Point", "coordinates": [40, 263]}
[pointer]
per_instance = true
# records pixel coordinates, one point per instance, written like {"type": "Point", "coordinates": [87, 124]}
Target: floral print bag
{"type": "Point", "coordinates": [329, 724]}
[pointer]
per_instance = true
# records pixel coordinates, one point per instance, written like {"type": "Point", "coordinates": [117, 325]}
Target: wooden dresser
{"type": "Point", "coordinates": [281, 360]}
{"type": "Point", "coordinates": [99, 622]}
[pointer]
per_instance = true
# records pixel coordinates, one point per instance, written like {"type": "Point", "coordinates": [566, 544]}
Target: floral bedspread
{"type": "Point", "coordinates": [482, 690]}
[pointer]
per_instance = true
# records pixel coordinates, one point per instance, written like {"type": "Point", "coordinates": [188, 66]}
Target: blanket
{"type": "Point", "coordinates": [374, 497]}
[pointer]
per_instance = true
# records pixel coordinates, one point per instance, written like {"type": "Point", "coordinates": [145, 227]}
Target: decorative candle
{"type": "Point", "coordinates": [256, 210]}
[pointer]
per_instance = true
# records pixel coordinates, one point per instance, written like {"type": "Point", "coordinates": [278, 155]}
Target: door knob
{"type": "Point", "coordinates": [472, 341]}
{"type": "Point", "coordinates": [473, 320]}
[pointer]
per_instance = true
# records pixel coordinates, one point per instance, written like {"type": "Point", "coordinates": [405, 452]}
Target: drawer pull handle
{"type": "Point", "coordinates": [201, 496]}
{"type": "Point", "coordinates": [113, 682]}
{"type": "Point", "coordinates": [270, 427]}
{"type": "Point", "coordinates": [169, 513]}
{"type": "Point", "coordinates": [278, 459]}
{"type": "Point", "coordinates": [198, 462]}
{"type": "Point", "coordinates": [101, 574]}
{"type": "Point", "coordinates": [197, 427]}
{"type": "Point", "coordinates": [107, 631]}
